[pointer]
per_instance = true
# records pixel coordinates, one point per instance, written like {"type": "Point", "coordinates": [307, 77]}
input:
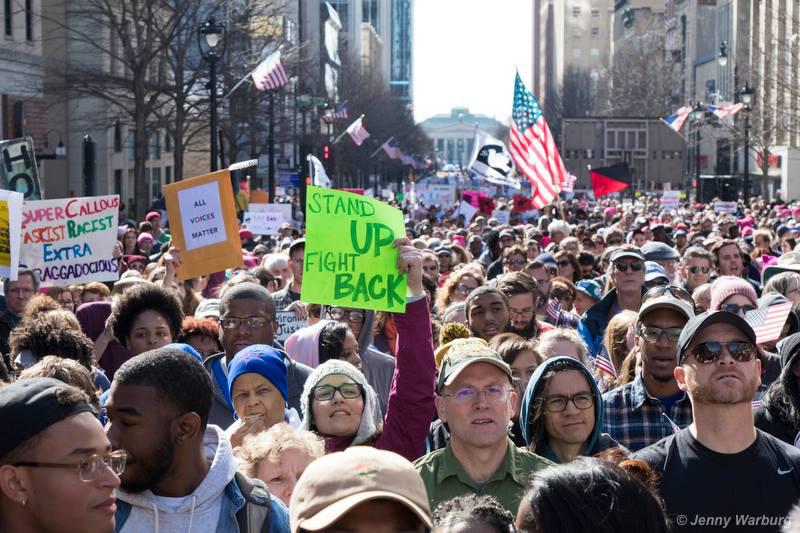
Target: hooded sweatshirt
{"type": "Point", "coordinates": [597, 441]}
{"type": "Point", "coordinates": [198, 511]}
{"type": "Point", "coordinates": [780, 415]}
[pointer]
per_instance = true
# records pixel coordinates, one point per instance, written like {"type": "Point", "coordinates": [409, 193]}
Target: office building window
{"type": "Point", "coordinates": [168, 175]}
{"type": "Point", "coordinates": [576, 11]}
{"type": "Point", "coordinates": [595, 32]}
{"type": "Point", "coordinates": [117, 137]}
{"type": "Point", "coordinates": [131, 145]}
{"type": "Point", "coordinates": [8, 17]}
{"type": "Point", "coordinates": [118, 182]}
{"type": "Point", "coordinates": [595, 12]}
{"type": "Point", "coordinates": [155, 146]}
{"type": "Point", "coordinates": [578, 33]}
{"type": "Point", "coordinates": [29, 20]}
{"type": "Point", "coordinates": [595, 53]}
{"type": "Point", "coordinates": [576, 53]}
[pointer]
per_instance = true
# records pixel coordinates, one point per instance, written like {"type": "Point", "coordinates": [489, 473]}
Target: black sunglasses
{"type": "Point", "coordinates": [710, 352]}
{"type": "Point", "coordinates": [696, 269]}
{"type": "Point", "coordinates": [636, 266]}
{"type": "Point", "coordinates": [673, 290]}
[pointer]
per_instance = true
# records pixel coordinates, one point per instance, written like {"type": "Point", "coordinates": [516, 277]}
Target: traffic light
{"type": "Point", "coordinates": [326, 154]}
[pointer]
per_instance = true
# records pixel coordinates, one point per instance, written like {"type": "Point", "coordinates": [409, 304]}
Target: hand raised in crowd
{"type": "Point", "coordinates": [298, 308]}
{"type": "Point", "coordinates": [409, 260]}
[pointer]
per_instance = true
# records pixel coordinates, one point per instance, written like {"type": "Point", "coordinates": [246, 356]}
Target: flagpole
{"type": "Point", "coordinates": [381, 147]}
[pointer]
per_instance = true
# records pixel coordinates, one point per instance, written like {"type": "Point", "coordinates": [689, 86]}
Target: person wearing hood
{"type": "Point", "coordinates": [562, 412]}
{"type": "Point", "coordinates": [181, 472]}
{"type": "Point", "coordinates": [339, 404]}
{"type": "Point", "coordinates": [780, 414]}
{"type": "Point", "coordinates": [247, 317]}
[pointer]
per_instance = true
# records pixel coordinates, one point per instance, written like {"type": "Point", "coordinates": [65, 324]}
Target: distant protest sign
{"type": "Point", "coordinates": [502, 216]}
{"type": "Point", "coordinates": [263, 223]}
{"type": "Point", "coordinates": [18, 170]}
{"type": "Point", "coordinates": [670, 199]}
{"type": "Point", "coordinates": [284, 210]}
{"type": "Point", "coordinates": [288, 323]}
{"type": "Point", "coordinates": [71, 240]}
{"type": "Point", "coordinates": [10, 233]}
{"type": "Point", "coordinates": [349, 258]}
{"type": "Point", "coordinates": [203, 224]}
{"type": "Point", "coordinates": [725, 207]}
{"type": "Point", "coordinates": [436, 194]}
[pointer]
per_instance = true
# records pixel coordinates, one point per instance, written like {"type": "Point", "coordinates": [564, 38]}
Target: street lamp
{"type": "Point", "coordinates": [747, 93]}
{"type": "Point", "coordinates": [722, 58]}
{"type": "Point", "coordinates": [212, 45]}
{"type": "Point", "coordinates": [61, 150]}
{"type": "Point", "coordinates": [696, 116]}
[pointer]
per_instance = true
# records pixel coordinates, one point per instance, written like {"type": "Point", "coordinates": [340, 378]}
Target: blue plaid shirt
{"type": "Point", "coordinates": [636, 420]}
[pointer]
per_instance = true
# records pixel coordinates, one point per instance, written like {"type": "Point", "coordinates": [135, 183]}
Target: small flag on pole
{"type": "Point", "coordinates": [490, 160]}
{"type": "Point", "coordinates": [723, 111]}
{"type": "Point", "coordinates": [768, 322]}
{"type": "Point", "coordinates": [320, 177]}
{"type": "Point", "coordinates": [677, 120]}
{"type": "Point", "coordinates": [392, 149]}
{"type": "Point", "coordinates": [604, 364]}
{"type": "Point", "coordinates": [358, 132]}
{"type": "Point", "coordinates": [340, 112]}
{"type": "Point", "coordinates": [270, 74]}
{"type": "Point", "coordinates": [569, 183]}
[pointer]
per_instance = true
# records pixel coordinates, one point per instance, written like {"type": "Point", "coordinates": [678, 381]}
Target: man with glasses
{"type": "Point", "coordinates": [17, 294]}
{"type": "Point", "coordinates": [539, 272]}
{"type": "Point", "coordinates": [650, 407]}
{"type": "Point", "coordinates": [696, 267]}
{"type": "Point", "coordinates": [181, 473]}
{"type": "Point", "coordinates": [57, 471]}
{"type": "Point", "coordinates": [376, 366]}
{"type": "Point", "coordinates": [721, 467]}
{"type": "Point", "coordinates": [475, 401]}
{"type": "Point", "coordinates": [523, 295]}
{"type": "Point", "coordinates": [247, 316]}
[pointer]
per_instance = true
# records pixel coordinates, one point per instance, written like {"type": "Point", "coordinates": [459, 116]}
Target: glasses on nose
{"type": "Point", "coordinates": [90, 469]}
{"type": "Point", "coordinates": [21, 291]}
{"type": "Point", "coordinates": [710, 352]}
{"type": "Point", "coordinates": [696, 269]}
{"type": "Point", "coordinates": [337, 313]}
{"type": "Point", "coordinates": [349, 391]}
{"type": "Point", "coordinates": [564, 263]}
{"type": "Point", "coordinates": [518, 313]}
{"type": "Point", "coordinates": [234, 323]}
{"type": "Point", "coordinates": [635, 266]}
{"type": "Point", "coordinates": [557, 404]}
{"type": "Point", "coordinates": [470, 394]}
{"type": "Point", "coordinates": [653, 333]}
{"type": "Point", "coordinates": [465, 289]}
{"type": "Point", "coordinates": [737, 309]}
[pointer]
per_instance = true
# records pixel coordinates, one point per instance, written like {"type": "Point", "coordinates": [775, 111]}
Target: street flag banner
{"type": "Point", "coordinates": [318, 175]}
{"type": "Point", "coordinates": [70, 240]}
{"type": "Point", "coordinates": [392, 149]}
{"type": "Point", "coordinates": [270, 73]}
{"type": "Point", "coordinates": [406, 159]}
{"type": "Point", "coordinates": [725, 110]}
{"type": "Point", "coordinates": [608, 180]}
{"type": "Point", "coordinates": [533, 148]}
{"type": "Point", "coordinates": [202, 217]}
{"type": "Point", "coordinates": [677, 120]}
{"type": "Point", "coordinates": [350, 260]}
{"type": "Point", "coordinates": [340, 112]}
{"type": "Point", "coordinates": [490, 160]}
{"type": "Point", "coordinates": [569, 183]}
{"type": "Point", "coordinates": [768, 322]}
{"type": "Point", "coordinates": [358, 132]}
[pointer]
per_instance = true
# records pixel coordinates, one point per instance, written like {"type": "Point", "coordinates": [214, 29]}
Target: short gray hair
{"type": "Point", "coordinates": [548, 338]}
{"type": "Point", "coordinates": [271, 261]}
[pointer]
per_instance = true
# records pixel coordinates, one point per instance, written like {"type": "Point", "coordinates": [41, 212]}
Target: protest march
{"type": "Point", "coordinates": [495, 346]}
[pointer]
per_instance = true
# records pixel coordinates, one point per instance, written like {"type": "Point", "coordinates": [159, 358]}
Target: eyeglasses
{"type": "Point", "coordinates": [349, 391]}
{"type": "Point", "coordinates": [464, 289]}
{"type": "Point", "coordinates": [673, 290]}
{"type": "Point", "coordinates": [90, 469]}
{"type": "Point", "coordinates": [234, 323]}
{"type": "Point", "coordinates": [564, 263]}
{"type": "Point", "coordinates": [557, 404]}
{"type": "Point", "coordinates": [653, 333]}
{"type": "Point", "coordinates": [696, 269]}
{"type": "Point", "coordinates": [516, 262]}
{"type": "Point", "coordinates": [520, 312]}
{"type": "Point", "coordinates": [736, 309]}
{"type": "Point", "coordinates": [355, 316]}
{"type": "Point", "coordinates": [636, 266]}
{"type": "Point", "coordinates": [469, 394]}
{"type": "Point", "coordinates": [22, 291]}
{"type": "Point", "coordinates": [710, 352]}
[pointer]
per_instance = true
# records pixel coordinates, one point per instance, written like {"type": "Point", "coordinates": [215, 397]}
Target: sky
{"type": "Point", "coordinates": [466, 53]}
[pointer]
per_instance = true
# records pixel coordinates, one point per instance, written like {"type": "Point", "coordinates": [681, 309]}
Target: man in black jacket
{"type": "Point", "coordinates": [780, 414]}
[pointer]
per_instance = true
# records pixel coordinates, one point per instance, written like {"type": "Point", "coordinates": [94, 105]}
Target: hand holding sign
{"type": "Point", "coordinates": [409, 260]}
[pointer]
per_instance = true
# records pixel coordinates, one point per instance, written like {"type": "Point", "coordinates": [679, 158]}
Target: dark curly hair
{"type": "Point", "coordinates": [52, 333]}
{"type": "Point", "coordinates": [331, 341]}
{"type": "Point", "coordinates": [472, 508]}
{"type": "Point", "coordinates": [141, 298]}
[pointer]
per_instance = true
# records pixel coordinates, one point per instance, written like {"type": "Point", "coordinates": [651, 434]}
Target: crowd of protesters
{"type": "Point", "coordinates": [597, 367]}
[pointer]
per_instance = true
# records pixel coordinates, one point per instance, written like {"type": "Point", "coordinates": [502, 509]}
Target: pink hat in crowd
{"type": "Point", "coordinates": [251, 261]}
{"type": "Point", "coordinates": [726, 286]}
{"type": "Point", "coordinates": [245, 233]}
{"type": "Point", "coordinates": [144, 236]}
{"type": "Point", "coordinates": [152, 215]}
{"type": "Point", "coordinates": [748, 230]}
{"type": "Point", "coordinates": [609, 211]}
{"type": "Point", "coordinates": [459, 240]}
{"type": "Point", "coordinates": [795, 211]}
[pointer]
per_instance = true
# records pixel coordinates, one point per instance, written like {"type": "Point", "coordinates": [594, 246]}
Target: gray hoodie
{"type": "Point", "coordinates": [200, 510]}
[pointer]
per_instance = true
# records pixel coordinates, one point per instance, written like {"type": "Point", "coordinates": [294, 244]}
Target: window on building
{"type": "Point", "coordinates": [155, 176]}
{"type": "Point", "coordinates": [440, 145]}
{"type": "Point", "coordinates": [168, 175]}
{"type": "Point", "coordinates": [168, 142]}
{"type": "Point", "coordinates": [576, 53]}
{"type": "Point", "coordinates": [19, 119]}
{"type": "Point", "coordinates": [595, 32]}
{"type": "Point", "coordinates": [155, 146]}
{"type": "Point", "coordinates": [118, 182]}
{"type": "Point", "coordinates": [578, 33]}
{"type": "Point", "coordinates": [594, 53]}
{"type": "Point", "coordinates": [29, 20]}
{"type": "Point", "coordinates": [576, 11]}
{"type": "Point", "coordinates": [611, 142]}
{"type": "Point", "coordinates": [642, 140]}
{"type": "Point", "coordinates": [8, 17]}
{"type": "Point", "coordinates": [117, 137]}
{"type": "Point", "coordinates": [131, 145]}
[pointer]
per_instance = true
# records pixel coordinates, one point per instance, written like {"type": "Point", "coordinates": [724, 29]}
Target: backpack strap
{"type": "Point", "coordinates": [253, 517]}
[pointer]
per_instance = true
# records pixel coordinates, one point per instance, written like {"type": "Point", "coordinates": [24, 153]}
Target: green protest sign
{"type": "Point", "coordinates": [349, 258]}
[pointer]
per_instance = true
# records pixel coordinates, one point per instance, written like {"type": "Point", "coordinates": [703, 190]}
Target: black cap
{"type": "Point", "coordinates": [703, 320]}
{"type": "Point", "coordinates": [628, 251]}
{"type": "Point", "coordinates": [29, 406]}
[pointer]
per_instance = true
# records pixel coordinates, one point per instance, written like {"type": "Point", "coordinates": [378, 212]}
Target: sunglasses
{"type": "Point", "coordinates": [635, 266]}
{"type": "Point", "coordinates": [676, 292]}
{"type": "Point", "coordinates": [710, 352]}
{"type": "Point", "coordinates": [736, 309]}
{"type": "Point", "coordinates": [696, 269]}
{"type": "Point", "coordinates": [564, 263]}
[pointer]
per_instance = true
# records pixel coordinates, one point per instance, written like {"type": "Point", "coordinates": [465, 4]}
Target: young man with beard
{"type": "Point", "coordinates": [487, 312]}
{"type": "Point", "coordinates": [181, 470]}
{"type": "Point", "coordinates": [523, 295]}
{"type": "Point", "coordinates": [539, 272]}
{"type": "Point", "coordinates": [650, 407]}
{"type": "Point", "coordinates": [728, 259]}
{"type": "Point", "coordinates": [721, 471]}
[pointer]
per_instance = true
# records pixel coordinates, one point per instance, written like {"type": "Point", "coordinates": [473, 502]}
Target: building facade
{"type": "Point", "coordinates": [453, 134]}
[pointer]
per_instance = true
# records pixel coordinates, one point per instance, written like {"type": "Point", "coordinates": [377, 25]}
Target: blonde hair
{"type": "Point", "coordinates": [271, 444]}
{"type": "Point", "coordinates": [615, 338]}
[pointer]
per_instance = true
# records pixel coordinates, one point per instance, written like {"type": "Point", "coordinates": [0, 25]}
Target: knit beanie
{"type": "Point", "coordinates": [185, 348]}
{"type": "Point", "coordinates": [370, 417]}
{"type": "Point", "coordinates": [726, 286]}
{"type": "Point", "coordinates": [260, 359]}
{"type": "Point", "coordinates": [144, 237]}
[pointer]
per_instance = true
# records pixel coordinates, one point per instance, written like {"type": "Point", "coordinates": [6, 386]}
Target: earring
{"type": "Point", "coordinates": [23, 503]}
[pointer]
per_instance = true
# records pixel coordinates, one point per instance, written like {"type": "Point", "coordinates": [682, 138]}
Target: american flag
{"type": "Point", "coordinates": [569, 183]}
{"type": "Point", "coordinates": [357, 131]}
{"type": "Point", "coordinates": [270, 74]}
{"type": "Point", "coordinates": [533, 148]}
{"type": "Point", "coordinates": [340, 112]}
{"type": "Point", "coordinates": [723, 111]}
{"type": "Point", "coordinates": [603, 362]}
{"type": "Point", "coordinates": [391, 148]}
{"type": "Point", "coordinates": [677, 120]}
{"type": "Point", "coordinates": [768, 322]}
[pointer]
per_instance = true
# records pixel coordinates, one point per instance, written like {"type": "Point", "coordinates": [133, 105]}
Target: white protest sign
{"type": "Point", "coordinates": [466, 209]}
{"type": "Point", "coordinates": [725, 207]}
{"type": "Point", "coordinates": [201, 215]}
{"type": "Point", "coordinates": [288, 323]}
{"type": "Point", "coordinates": [670, 199]}
{"type": "Point", "coordinates": [263, 223]}
{"type": "Point", "coordinates": [285, 210]}
{"type": "Point", "coordinates": [431, 194]}
{"type": "Point", "coordinates": [502, 216]}
{"type": "Point", "coordinates": [71, 240]}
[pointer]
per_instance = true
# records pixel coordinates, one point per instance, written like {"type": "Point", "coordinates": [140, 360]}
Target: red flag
{"type": "Point", "coordinates": [522, 203]}
{"type": "Point", "coordinates": [611, 179]}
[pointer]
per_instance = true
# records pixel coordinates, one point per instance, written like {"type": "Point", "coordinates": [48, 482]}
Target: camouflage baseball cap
{"type": "Point", "coordinates": [464, 352]}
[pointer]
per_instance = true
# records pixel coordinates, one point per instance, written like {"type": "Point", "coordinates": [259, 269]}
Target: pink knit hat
{"type": "Point", "coordinates": [726, 286]}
